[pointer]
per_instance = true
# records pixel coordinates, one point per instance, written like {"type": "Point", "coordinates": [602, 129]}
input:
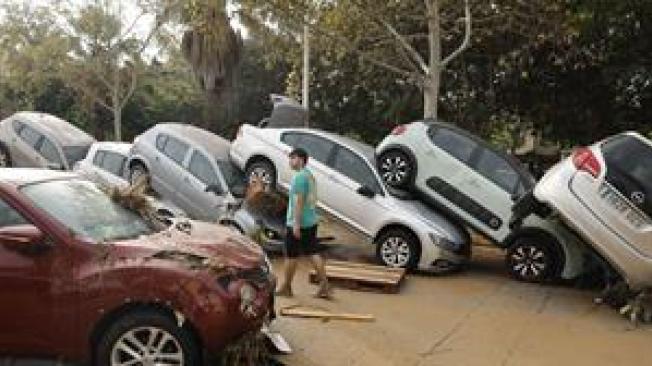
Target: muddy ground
{"type": "Point", "coordinates": [476, 317]}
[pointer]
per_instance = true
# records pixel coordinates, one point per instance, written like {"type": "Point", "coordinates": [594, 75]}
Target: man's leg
{"type": "Point", "coordinates": [324, 288]}
{"type": "Point", "coordinates": [290, 270]}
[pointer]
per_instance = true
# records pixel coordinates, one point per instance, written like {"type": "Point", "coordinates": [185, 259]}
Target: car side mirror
{"type": "Point", "coordinates": [215, 189]}
{"type": "Point", "coordinates": [366, 192]}
{"type": "Point", "coordinates": [22, 237]}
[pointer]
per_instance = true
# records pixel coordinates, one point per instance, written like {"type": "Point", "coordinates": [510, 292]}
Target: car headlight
{"type": "Point", "coordinates": [443, 242]}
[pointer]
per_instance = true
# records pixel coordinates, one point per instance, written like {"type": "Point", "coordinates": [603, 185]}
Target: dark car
{"type": "Point", "coordinates": [84, 279]}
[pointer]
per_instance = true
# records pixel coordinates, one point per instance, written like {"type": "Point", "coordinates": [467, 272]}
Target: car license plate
{"type": "Point", "coordinates": [624, 208]}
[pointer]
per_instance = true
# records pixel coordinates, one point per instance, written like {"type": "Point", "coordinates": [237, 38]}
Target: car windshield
{"type": "Point", "coordinates": [232, 175]}
{"type": "Point", "coordinates": [86, 210]}
{"type": "Point", "coordinates": [75, 153]}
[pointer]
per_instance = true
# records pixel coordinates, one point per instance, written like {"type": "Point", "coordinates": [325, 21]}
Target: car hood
{"type": "Point", "coordinates": [434, 219]}
{"type": "Point", "coordinates": [201, 245]}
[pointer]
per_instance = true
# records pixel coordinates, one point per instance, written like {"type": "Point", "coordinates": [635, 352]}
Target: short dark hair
{"type": "Point", "coordinates": [300, 153]}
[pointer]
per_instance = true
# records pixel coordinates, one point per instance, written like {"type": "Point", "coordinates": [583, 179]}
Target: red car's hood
{"type": "Point", "coordinates": [204, 244]}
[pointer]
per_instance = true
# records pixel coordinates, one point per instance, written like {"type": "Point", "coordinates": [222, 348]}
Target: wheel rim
{"type": "Point", "coordinates": [529, 262]}
{"type": "Point", "coordinates": [261, 174]}
{"type": "Point", "coordinates": [147, 346]}
{"type": "Point", "coordinates": [395, 252]}
{"type": "Point", "coordinates": [4, 159]}
{"type": "Point", "coordinates": [394, 169]}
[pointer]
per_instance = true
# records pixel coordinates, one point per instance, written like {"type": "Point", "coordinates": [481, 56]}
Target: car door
{"type": "Point", "coordinates": [449, 176]}
{"type": "Point", "coordinates": [350, 173]}
{"type": "Point", "coordinates": [197, 202]}
{"type": "Point", "coordinates": [319, 151]}
{"type": "Point", "coordinates": [23, 145]}
{"type": "Point", "coordinates": [31, 282]}
{"type": "Point", "coordinates": [167, 171]}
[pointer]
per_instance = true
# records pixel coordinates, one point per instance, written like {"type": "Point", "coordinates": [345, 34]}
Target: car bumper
{"type": "Point", "coordinates": [555, 190]}
{"type": "Point", "coordinates": [436, 258]}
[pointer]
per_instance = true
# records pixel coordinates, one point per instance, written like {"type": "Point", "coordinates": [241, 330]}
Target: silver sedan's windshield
{"type": "Point", "coordinates": [86, 210]}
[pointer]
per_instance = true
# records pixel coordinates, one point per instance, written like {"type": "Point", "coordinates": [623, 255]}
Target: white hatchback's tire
{"type": "Point", "coordinates": [396, 168]}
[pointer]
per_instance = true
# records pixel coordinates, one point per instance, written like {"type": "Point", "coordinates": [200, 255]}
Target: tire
{"type": "Point", "coordinates": [398, 248]}
{"type": "Point", "coordinates": [136, 171]}
{"type": "Point", "coordinates": [5, 158]}
{"type": "Point", "coordinates": [114, 349]}
{"type": "Point", "coordinates": [532, 259]}
{"type": "Point", "coordinates": [263, 170]}
{"type": "Point", "coordinates": [396, 168]}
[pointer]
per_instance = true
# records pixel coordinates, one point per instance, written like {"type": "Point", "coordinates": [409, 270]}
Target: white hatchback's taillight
{"type": "Point", "coordinates": [585, 160]}
{"type": "Point", "coordinates": [399, 130]}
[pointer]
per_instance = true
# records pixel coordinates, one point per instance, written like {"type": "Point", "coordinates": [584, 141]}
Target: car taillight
{"type": "Point", "coordinates": [399, 130]}
{"type": "Point", "coordinates": [585, 160]}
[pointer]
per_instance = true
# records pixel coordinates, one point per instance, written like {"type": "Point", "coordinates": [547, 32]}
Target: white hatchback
{"type": "Point", "coordinates": [476, 184]}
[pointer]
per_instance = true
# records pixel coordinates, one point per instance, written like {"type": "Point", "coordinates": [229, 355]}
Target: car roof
{"type": "Point", "coordinates": [118, 147]}
{"type": "Point", "coordinates": [65, 132]}
{"type": "Point", "coordinates": [22, 176]}
{"type": "Point", "coordinates": [215, 145]}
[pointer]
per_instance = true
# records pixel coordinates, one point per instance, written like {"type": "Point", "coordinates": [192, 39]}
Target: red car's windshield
{"type": "Point", "coordinates": [85, 209]}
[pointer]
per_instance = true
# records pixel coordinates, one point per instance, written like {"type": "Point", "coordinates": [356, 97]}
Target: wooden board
{"type": "Point", "coordinates": [361, 276]}
{"type": "Point", "coordinates": [325, 315]}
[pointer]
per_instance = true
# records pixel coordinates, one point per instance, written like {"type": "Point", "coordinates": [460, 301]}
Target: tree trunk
{"type": "Point", "coordinates": [117, 123]}
{"type": "Point", "coordinates": [431, 82]}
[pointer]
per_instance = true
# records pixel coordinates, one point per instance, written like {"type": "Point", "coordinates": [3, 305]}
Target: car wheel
{"type": "Point", "coordinates": [138, 172]}
{"type": "Point", "coordinates": [398, 248]}
{"type": "Point", "coordinates": [262, 170]}
{"type": "Point", "coordinates": [5, 158]}
{"type": "Point", "coordinates": [396, 168]}
{"type": "Point", "coordinates": [146, 338]}
{"type": "Point", "coordinates": [530, 259]}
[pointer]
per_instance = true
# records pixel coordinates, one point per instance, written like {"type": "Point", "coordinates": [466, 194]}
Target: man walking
{"type": "Point", "coordinates": [301, 238]}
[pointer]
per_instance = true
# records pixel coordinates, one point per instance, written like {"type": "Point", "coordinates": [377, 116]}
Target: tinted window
{"type": "Point", "coordinates": [459, 146]}
{"type": "Point", "coordinates": [234, 177]}
{"type": "Point", "coordinates": [201, 168]}
{"type": "Point", "coordinates": [113, 163]}
{"type": "Point", "coordinates": [175, 149]}
{"type": "Point", "coordinates": [290, 139]}
{"type": "Point", "coordinates": [497, 170]}
{"type": "Point", "coordinates": [29, 135]}
{"type": "Point", "coordinates": [318, 148]}
{"type": "Point", "coordinates": [9, 216]}
{"type": "Point", "coordinates": [74, 154]}
{"type": "Point", "coordinates": [49, 151]}
{"type": "Point", "coordinates": [99, 157]}
{"type": "Point", "coordinates": [354, 167]}
{"type": "Point", "coordinates": [160, 141]}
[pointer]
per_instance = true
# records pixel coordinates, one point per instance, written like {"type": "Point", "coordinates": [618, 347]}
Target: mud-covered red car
{"type": "Point", "coordinates": [84, 279]}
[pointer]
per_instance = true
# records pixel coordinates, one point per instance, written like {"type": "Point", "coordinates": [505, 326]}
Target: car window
{"type": "Point", "coordinates": [98, 158]}
{"type": "Point", "coordinates": [160, 141]}
{"type": "Point", "coordinates": [49, 151]}
{"type": "Point", "coordinates": [355, 168]}
{"type": "Point", "coordinates": [9, 216]}
{"type": "Point", "coordinates": [114, 163]}
{"type": "Point", "coordinates": [318, 148]}
{"type": "Point", "coordinates": [459, 146]}
{"type": "Point", "coordinates": [175, 149]}
{"type": "Point", "coordinates": [290, 139]}
{"type": "Point", "coordinates": [202, 169]}
{"type": "Point", "coordinates": [29, 135]}
{"type": "Point", "coordinates": [497, 170]}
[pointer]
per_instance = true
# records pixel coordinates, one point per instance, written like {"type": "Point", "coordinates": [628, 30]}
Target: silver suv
{"type": "Point", "coordinates": [190, 167]}
{"type": "Point", "coordinates": [475, 184]}
{"type": "Point", "coordinates": [39, 140]}
{"type": "Point", "coordinates": [604, 192]}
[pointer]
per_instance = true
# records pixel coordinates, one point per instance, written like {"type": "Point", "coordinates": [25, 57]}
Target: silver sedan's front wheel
{"type": "Point", "coordinates": [146, 337]}
{"type": "Point", "coordinates": [398, 248]}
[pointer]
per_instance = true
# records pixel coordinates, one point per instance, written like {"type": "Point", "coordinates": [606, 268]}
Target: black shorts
{"type": "Point", "coordinates": [307, 245]}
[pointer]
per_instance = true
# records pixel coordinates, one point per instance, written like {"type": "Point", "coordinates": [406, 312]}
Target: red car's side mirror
{"type": "Point", "coordinates": [21, 236]}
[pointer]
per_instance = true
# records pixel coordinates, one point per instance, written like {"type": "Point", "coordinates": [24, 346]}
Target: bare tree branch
{"type": "Point", "coordinates": [408, 47]}
{"type": "Point", "coordinates": [467, 36]}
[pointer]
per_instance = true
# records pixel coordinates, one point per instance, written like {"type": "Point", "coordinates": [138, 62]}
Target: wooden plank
{"type": "Point", "coordinates": [364, 265]}
{"type": "Point", "coordinates": [321, 314]}
{"type": "Point", "coordinates": [358, 277]}
{"type": "Point", "coordinates": [343, 272]}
